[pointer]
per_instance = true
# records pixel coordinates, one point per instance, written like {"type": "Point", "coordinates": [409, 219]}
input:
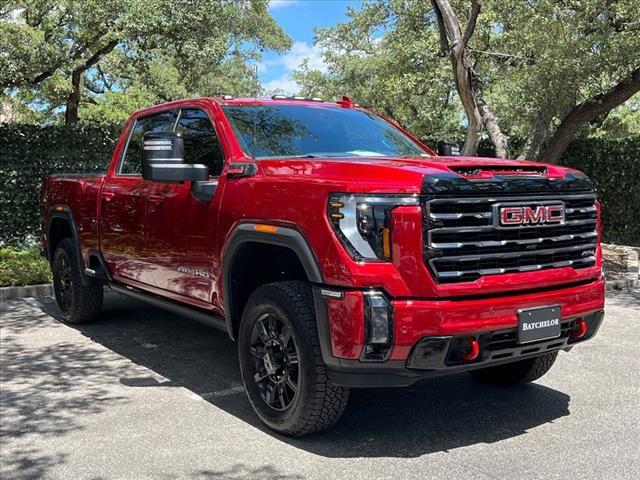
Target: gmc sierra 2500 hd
{"type": "Point", "coordinates": [334, 247]}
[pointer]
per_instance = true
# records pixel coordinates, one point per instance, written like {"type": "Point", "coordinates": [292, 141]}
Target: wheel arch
{"type": "Point", "coordinates": [283, 247]}
{"type": "Point", "coordinates": [61, 225]}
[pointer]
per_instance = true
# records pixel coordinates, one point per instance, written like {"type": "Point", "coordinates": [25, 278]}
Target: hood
{"type": "Point", "coordinates": [409, 175]}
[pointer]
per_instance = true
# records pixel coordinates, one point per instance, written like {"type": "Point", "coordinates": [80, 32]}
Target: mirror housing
{"type": "Point", "coordinates": [163, 159]}
{"type": "Point", "coordinates": [447, 148]}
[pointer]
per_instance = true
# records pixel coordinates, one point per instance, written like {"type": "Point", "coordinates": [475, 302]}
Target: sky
{"type": "Point", "coordinates": [298, 18]}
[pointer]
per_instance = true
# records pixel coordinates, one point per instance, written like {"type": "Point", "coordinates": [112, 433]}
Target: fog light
{"type": "Point", "coordinates": [378, 327]}
{"type": "Point", "coordinates": [579, 329]}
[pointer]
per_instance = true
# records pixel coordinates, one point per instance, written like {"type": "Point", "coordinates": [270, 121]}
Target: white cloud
{"type": "Point", "coordinates": [275, 4]}
{"type": "Point", "coordinates": [285, 64]}
{"type": "Point", "coordinates": [284, 85]}
{"type": "Point", "coordinates": [301, 51]}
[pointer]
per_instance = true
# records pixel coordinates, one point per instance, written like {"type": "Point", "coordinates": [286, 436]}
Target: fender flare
{"type": "Point", "coordinates": [65, 214]}
{"type": "Point", "coordinates": [283, 237]}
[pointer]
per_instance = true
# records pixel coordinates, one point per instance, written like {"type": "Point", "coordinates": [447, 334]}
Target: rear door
{"type": "Point", "coordinates": [124, 204]}
{"type": "Point", "coordinates": [181, 230]}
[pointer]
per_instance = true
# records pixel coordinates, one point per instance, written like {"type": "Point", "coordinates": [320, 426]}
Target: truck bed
{"type": "Point", "coordinates": [78, 195]}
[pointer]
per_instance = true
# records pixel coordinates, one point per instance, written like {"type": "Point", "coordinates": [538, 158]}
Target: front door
{"type": "Point", "coordinates": [181, 230]}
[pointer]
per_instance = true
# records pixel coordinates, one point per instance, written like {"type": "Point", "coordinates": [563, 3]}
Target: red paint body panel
{"type": "Point", "coordinates": [147, 231]}
{"type": "Point", "coordinates": [415, 319]}
{"type": "Point", "coordinates": [345, 325]}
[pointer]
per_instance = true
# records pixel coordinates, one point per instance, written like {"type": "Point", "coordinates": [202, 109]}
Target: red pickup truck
{"type": "Point", "coordinates": [334, 247]}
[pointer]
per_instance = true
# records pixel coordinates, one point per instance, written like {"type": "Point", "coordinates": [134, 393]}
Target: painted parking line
{"type": "Point", "coordinates": [233, 390]}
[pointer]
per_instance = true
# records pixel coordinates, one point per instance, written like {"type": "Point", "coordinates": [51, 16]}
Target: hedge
{"type": "Point", "coordinates": [29, 153]}
{"type": "Point", "coordinates": [614, 167]}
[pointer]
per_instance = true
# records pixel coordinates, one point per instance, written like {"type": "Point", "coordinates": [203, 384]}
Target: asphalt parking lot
{"type": "Point", "coordinates": [146, 394]}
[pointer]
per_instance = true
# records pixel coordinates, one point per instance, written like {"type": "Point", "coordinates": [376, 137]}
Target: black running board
{"type": "Point", "coordinates": [156, 301]}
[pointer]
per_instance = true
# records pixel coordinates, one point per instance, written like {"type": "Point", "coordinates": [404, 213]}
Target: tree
{"type": "Point", "coordinates": [399, 73]}
{"type": "Point", "coordinates": [454, 42]}
{"type": "Point", "coordinates": [540, 71]}
{"type": "Point", "coordinates": [66, 52]}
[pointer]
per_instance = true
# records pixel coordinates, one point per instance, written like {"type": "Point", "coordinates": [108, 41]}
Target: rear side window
{"type": "Point", "coordinates": [159, 122]}
{"type": "Point", "coordinates": [201, 143]}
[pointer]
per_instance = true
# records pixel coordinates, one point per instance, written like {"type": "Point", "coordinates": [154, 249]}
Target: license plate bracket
{"type": "Point", "coordinates": [539, 323]}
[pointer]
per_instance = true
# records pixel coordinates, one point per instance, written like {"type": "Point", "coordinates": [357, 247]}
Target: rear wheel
{"type": "Point", "coordinates": [516, 373]}
{"type": "Point", "coordinates": [281, 364]}
{"type": "Point", "coordinates": [77, 303]}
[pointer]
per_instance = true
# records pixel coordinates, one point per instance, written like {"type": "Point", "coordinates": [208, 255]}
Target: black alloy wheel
{"type": "Point", "coordinates": [63, 282]}
{"type": "Point", "coordinates": [78, 301]}
{"type": "Point", "coordinates": [281, 364]}
{"type": "Point", "coordinates": [275, 361]}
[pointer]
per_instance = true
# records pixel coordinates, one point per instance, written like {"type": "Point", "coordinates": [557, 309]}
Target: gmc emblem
{"type": "Point", "coordinates": [519, 215]}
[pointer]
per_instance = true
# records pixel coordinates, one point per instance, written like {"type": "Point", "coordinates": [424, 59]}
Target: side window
{"type": "Point", "coordinates": [159, 122]}
{"type": "Point", "coordinates": [201, 143]}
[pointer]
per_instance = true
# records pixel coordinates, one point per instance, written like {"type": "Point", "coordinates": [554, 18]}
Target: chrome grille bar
{"type": "Point", "coordinates": [462, 243]}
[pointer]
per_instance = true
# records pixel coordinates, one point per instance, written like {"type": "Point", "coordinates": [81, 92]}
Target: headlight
{"type": "Point", "coordinates": [362, 223]}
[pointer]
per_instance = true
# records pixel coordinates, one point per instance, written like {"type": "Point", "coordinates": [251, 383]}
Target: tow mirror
{"type": "Point", "coordinates": [163, 159]}
{"type": "Point", "coordinates": [448, 149]}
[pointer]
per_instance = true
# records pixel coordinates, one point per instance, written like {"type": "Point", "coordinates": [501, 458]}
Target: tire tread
{"type": "Point", "coordinates": [329, 401]}
{"type": "Point", "coordinates": [87, 302]}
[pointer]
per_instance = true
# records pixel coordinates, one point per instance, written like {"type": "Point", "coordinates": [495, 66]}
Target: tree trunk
{"type": "Point", "coordinates": [537, 135]}
{"type": "Point", "coordinates": [500, 140]}
{"type": "Point", "coordinates": [453, 42]}
{"type": "Point", "coordinates": [77, 76]}
{"type": "Point", "coordinates": [587, 111]}
{"type": "Point", "coordinates": [73, 100]}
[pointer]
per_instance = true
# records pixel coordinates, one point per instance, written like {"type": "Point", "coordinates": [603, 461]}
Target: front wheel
{"type": "Point", "coordinates": [516, 373]}
{"type": "Point", "coordinates": [281, 364]}
{"type": "Point", "coordinates": [77, 303]}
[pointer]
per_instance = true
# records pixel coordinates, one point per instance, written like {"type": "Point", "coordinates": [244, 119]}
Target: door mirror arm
{"type": "Point", "coordinates": [204, 190]}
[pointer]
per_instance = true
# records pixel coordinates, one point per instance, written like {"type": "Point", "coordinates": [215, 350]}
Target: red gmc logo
{"type": "Point", "coordinates": [523, 215]}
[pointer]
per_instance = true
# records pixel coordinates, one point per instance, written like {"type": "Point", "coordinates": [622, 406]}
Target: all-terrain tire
{"type": "Point", "coordinates": [516, 373]}
{"type": "Point", "coordinates": [77, 303]}
{"type": "Point", "coordinates": [316, 404]}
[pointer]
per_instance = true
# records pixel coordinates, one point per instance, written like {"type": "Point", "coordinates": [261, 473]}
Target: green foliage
{"type": "Point", "coordinates": [387, 57]}
{"type": "Point", "coordinates": [622, 122]}
{"type": "Point", "coordinates": [587, 46]}
{"type": "Point", "coordinates": [614, 167]}
{"type": "Point", "coordinates": [140, 51]}
{"type": "Point", "coordinates": [23, 266]}
{"type": "Point", "coordinates": [535, 60]}
{"type": "Point", "coordinates": [29, 153]}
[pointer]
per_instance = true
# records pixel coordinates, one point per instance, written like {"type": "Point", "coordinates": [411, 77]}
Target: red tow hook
{"type": "Point", "coordinates": [579, 329]}
{"type": "Point", "coordinates": [470, 350]}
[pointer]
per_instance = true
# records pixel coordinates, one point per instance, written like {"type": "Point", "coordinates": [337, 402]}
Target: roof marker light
{"type": "Point", "coordinates": [346, 102]}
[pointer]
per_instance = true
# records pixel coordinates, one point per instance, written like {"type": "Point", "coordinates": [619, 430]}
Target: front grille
{"type": "Point", "coordinates": [462, 243]}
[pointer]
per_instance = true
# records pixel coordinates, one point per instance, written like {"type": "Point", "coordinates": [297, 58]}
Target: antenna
{"type": "Point", "coordinates": [255, 97]}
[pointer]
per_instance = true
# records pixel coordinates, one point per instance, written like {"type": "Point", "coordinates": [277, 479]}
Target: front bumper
{"type": "Point", "coordinates": [425, 330]}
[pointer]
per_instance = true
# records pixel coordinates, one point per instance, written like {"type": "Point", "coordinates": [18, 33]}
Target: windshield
{"type": "Point", "coordinates": [268, 131]}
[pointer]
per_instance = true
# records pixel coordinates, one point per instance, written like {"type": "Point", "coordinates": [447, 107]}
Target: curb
{"type": "Point", "coordinates": [35, 291]}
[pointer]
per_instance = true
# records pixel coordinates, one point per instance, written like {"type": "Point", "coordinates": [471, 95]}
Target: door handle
{"type": "Point", "coordinates": [108, 196]}
{"type": "Point", "coordinates": [155, 199]}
